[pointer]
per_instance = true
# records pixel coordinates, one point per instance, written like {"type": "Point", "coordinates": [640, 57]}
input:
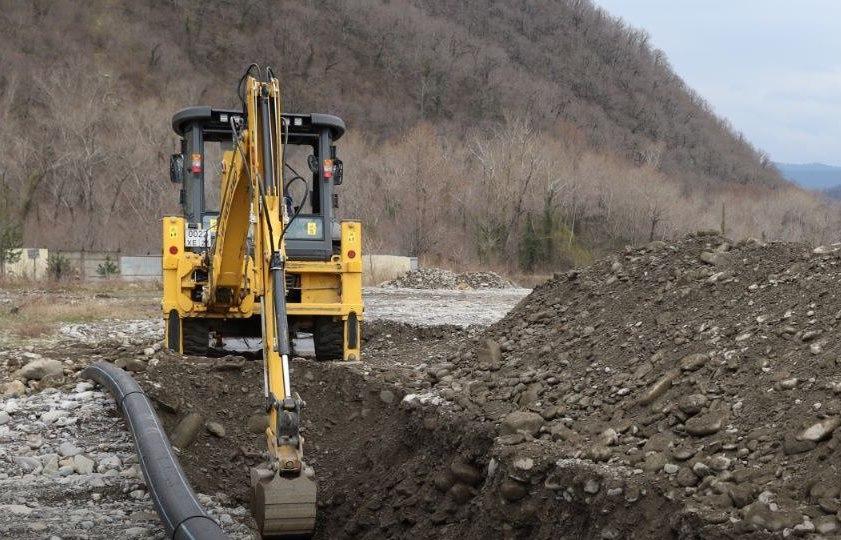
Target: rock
{"type": "Point", "coordinates": [826, 525]}
{"type": "Point", "coordinates": [792, 446]}
{"type": "Point", "coordinates": [491, 353]}
{"type": "Point", "coordinates": [258, 423]}
{"type": "Point", "coordinates": [670, 468]}
{"type": "Point", "coordinates": [134, 365]}
{"type": "Point", "coordinates": [136, 532]}
{"type": "Point", "coordinates": [692, 404]}
{"type": "Point", "coordinates": [109, 463]}
{"type": "Point", "coordinates": [465, 473]}
{"type": "Point", "coordinates": [14, 389]}
{"type": "Point", "coordinates": [715, 259]}
{"type": "Point", "coordinates": [560, 432]}
{"type": "Point", "coordinates": [523, 464]}
{"type": "Point", "coordinates": [693, 362]}
{"type": "Point", "coordinates": [461, 493]}
{"type": "Point", "coordinates": [40, 368]}
{"type": "Point", "coordinates": [52, 415]}
{"type": "Point", "coordinates": [4, 418]}
{"type": "Point", "coordinates": [82, 464]}
{"type": "Point", "coordinates": [686, 478]}
{"type": "Point", "coordinates": [187, 430]}
{"type": "Point", "coordinates": [16, 509]}
{"type": "Point", "coordinates": [654, 462]}
{"type": "Point", "coordinates": [826, 488]}
{"type": "Point", "coordinates": [443, 480]}
{"type": "Point", "coordinates": [719, 463]}
{"type": "Point", "coordinates": [215, 428]}
{"type": "Point", "coordinates": [592, 486]}
{"type": "Point", "coordinates": [706, 424]}
{"type": "Point", "coordinates": [659, 388]}
{"type": "Point", "coordinates": [742, 494]}
{"type": "Point", "coordinates": [599, 453]}
{"type": "Point", "coordinates": [760, 514]}
{"type": "Point", "coordinates": [521, 421]}
{"type": "Point", "coordinates": [511, 490]}
{"type": "Point", "coordinates": [820, 430]}
{"type": "Point", "coordinates": [387, 397]}
{"type": "Point", "coordinates": [68, 449]}
{"type": "Point", "coordinates": [28, 464]}
{"type": "Point", "coordinates": [49, 463]}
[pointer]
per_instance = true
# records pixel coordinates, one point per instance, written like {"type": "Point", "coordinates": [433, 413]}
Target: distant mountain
{"type": "Point", "coordinates": [817, 176]}
{"type": "Point", "coordinates": [833, 192]}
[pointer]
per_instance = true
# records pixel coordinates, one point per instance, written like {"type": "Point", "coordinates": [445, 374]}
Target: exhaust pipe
{"type": "Point", "coordinates": [175, 501]}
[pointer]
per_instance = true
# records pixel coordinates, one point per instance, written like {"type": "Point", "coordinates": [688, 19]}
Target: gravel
{"type": "Point", "coordinates": [439, 278]}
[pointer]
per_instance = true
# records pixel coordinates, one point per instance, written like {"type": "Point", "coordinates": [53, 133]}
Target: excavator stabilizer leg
{"type": "Point", "coordinates": [284, 506]}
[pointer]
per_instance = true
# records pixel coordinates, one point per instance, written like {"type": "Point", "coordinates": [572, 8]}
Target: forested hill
{"type": "Point", "coordinates": [86, 90]}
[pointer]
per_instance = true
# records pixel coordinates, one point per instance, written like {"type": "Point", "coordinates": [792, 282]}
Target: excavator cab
{"type": "Point", "coordinates": [323, 272]}
{"type": "Point", "coordinates": [313, 234]}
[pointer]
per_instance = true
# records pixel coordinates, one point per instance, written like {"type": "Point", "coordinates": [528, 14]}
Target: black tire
{"type": "Point", "coordinates": [195, 336]}
{"type": "Point", "coordinates": [328, 337]}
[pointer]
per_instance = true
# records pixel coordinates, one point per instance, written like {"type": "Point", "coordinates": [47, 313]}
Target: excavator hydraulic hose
{"type": "Point", "coordinates": [174, 499]}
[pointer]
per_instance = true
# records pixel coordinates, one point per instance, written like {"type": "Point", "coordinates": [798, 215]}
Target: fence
{"type": "Point", "coordinates": [85, 265]}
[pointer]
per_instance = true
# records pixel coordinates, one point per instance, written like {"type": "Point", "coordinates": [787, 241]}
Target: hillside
{"type": "Point", "coordinates": [86, 91]}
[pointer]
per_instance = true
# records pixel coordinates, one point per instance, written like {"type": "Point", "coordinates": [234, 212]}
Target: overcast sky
{"type": "Point", "coordinates": [773, 67]}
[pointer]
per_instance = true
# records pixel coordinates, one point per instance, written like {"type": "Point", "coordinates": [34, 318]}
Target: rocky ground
{"type": "Point", "coordinates": [67, 464]}
{"type": "Point", "coordinates": [678, 390]}
{"type": "Point", "coordinates": [439, 278]}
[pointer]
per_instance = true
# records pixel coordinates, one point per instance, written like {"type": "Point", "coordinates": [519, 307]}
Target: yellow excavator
{"type": "Point", "coordinates": [270, 260]}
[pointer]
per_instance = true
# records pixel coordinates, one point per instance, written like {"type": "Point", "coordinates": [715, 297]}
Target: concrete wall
{"type": "Point", "coordinates": [32, 264]}
{"type": "Point", "coordinates": [379, 268]}
{"type": "Point", "coordinates": [144, 268]}
{"type": "Point", "coordinates": [84, 264]}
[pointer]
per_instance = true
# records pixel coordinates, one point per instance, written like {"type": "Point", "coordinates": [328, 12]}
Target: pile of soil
{"type": "Point", "coordinates": [390, 461]}
{"type": "Point", "coordinates": [439, 278]}
{"type": "Point", "coordinates": [703, 371]}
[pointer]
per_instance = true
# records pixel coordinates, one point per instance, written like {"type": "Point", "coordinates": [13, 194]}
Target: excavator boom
{"type": "Point", "coordinates": [284, 488]}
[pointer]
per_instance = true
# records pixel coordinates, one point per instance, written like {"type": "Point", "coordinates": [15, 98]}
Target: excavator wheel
{"type": "Point", "coordinates": [195, 335]}
{"type": "Point", "coordinates": [328, 337]}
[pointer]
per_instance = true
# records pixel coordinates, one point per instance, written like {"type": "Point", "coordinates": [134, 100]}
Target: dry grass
{"type": "Point", "coordinates": [37, 310]}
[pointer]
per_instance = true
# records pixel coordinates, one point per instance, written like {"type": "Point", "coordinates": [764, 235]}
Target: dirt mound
{"type": "Point", "coordinates": [707, 370]}
{"type": "Point", "coordinates": [439, 278]}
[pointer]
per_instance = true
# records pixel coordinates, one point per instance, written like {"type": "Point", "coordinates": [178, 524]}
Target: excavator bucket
{"type": "Point", "coordinates": [284, 506]}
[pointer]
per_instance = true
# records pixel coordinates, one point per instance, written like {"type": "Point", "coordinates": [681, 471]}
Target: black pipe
{"type": "Point", "coordinates": [182, 515]}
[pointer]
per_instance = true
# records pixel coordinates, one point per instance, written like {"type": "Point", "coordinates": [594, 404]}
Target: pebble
{"type": "Point", "coordinates": [820, 430]}
{"type": "Point", "coordinates": [83, 464]}
{"type": "Point", "coordinates": [215, 428]}
{"type": "Point", "coordinates": [68, 449]}
{"type": "Point", "coordinates": [40, 368]}
{"type": "Point", "coordinates": [706, 424]}
{"type": "Point", "coordinates": [522, 421]}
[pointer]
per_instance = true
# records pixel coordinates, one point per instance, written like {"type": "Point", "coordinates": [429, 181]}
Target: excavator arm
{"type": "Point", "coordinates": [251, 202]}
